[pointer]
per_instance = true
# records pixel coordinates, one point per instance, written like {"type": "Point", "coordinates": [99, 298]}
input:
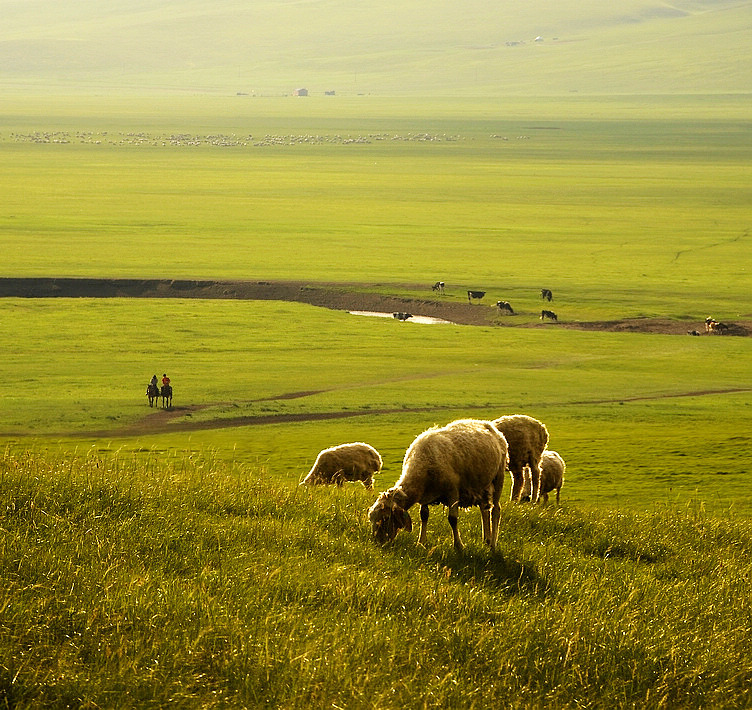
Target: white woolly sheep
{"type": "Point", "coordinates": [526, 439]}
{"type": "Point", "coordinates": [346, 462]}
{"type": "Point", "coordinates": [460, 465]}
{"type": "Point", "coordinates": [551, 477]}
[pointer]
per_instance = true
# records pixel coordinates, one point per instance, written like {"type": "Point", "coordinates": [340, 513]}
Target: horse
{"type": "Point", "coordinates": [152, 392]}
{"type": "Point", "coordinates": [166, 394]}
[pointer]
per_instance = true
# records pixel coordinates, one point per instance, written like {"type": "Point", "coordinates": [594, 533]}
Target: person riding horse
{"type": "Point", "coordinates": [152, 390]}
{"type": "Point", "coordinates": [166, 391]}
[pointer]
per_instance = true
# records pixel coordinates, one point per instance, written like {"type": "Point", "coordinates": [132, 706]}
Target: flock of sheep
{"type": "Point", "coordinates": [460, 465]}
{"type": "Point", "coordinates": [222, 140]}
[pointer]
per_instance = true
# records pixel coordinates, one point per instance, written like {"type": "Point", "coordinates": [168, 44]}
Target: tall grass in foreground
{"type": "Point", "coordinates": [127, 581]}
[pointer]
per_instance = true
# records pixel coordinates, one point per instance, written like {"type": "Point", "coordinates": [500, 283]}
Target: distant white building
{"type": "Point", "coordinates": [300, 92]}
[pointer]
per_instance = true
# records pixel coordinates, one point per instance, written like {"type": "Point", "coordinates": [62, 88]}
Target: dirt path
{"type": "Point", "coordinates": [337, 296]}
{"type": "Point", "coordinates": [165, 421]}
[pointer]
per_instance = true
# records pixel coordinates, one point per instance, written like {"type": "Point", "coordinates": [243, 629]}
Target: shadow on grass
{"type": "Point", "coordinates": [481, 567]}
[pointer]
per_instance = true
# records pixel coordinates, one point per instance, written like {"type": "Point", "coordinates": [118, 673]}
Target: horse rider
{"type": "Point", "coordinates": [165, 380]}
{"type": "Point", "coordinates": [154, 384]}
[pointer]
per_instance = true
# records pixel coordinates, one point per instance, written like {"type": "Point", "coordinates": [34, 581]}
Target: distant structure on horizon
{"type": "Point", "coordinates": [300, 92]}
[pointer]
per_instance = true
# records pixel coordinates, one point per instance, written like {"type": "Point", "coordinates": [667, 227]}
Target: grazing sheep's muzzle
{"type": "Point", "coordinates": [387, 520]}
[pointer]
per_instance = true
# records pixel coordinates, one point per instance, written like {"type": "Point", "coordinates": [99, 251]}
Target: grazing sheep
{"type": "Point", "coordinates": [526, 439]}
{"type": "Point", "coordinates": [551, 479]}
{"type": "Point", "coordinates": [460, 465]}
{"type": "Point", "coordinates": [346, 462]}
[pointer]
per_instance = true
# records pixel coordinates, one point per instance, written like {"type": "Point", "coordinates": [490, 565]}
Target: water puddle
{"type": "Point", "coordinates": [412, 319]}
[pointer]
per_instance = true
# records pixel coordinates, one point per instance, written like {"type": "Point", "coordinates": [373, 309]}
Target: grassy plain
{"type": "Point", "coordinates": [186, 568]}
{"type": "Point", "coordinates": [644, 200]}
{"type": "Point", "coordinates": [431, 47]}
{"type": "Point", "coordinates": [634, 414]}
{"type": "Point", "coordinates": [625, 207]}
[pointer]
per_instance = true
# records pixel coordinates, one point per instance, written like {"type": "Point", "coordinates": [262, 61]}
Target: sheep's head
{"type": "Point", "coordinates": [387, 519]}
{"type": "Point", "coordinates": [312, 479]}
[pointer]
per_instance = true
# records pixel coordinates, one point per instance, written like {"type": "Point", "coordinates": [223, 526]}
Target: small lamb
{"type": "Point", "coordinates": [551, 477]}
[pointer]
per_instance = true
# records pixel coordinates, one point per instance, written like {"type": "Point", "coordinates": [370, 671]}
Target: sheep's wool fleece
{"type": "Point", "coordinates": [524, 435]}
{"type": "Point", "coordinates": [352, 459]}
{"type": "Point", "coordinates": [552, 471]}
{"type": "Point", "coordinates": [465, 456]}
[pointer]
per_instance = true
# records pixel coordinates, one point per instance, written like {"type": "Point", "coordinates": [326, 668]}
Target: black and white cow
{"type": "Point", "coordinates": [505, 307]}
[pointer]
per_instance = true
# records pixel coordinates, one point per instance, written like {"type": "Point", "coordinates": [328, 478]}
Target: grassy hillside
{"type": "Point", "coordinates": [197, 585]}
{"type": "Point", "coordinates": [380, 46]}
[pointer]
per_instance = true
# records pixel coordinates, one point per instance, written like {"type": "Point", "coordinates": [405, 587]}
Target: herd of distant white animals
{"type": "Point", "coordinates": [460, 465]}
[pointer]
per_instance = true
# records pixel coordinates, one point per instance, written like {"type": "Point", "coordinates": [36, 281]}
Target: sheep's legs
{"type": "Point", "coordinates": [518, 482]}
{"type": "Point", "coordinates": [534, 482]}
{"type": "Point", "coordinates": [485, 519]}
{"type": "Point", "coordinates": [495, 517]}
{"type": "Point", "coordinates": [423, 524]}
{"type": "Point", "coordinates": [452, 515]}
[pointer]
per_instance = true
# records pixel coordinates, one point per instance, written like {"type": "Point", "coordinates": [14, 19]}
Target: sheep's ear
{"type": "Point", "coordinates": [407, 521]}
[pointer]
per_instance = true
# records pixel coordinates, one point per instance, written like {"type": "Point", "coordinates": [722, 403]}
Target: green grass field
{"type": "Point", "coordinates": [634, 415]}
{"type": "Point", "coordinates": [183, 566]}
{"type": "Point", "coordinates": [630, 207]}
{"type": "Point", "coordinates": [140, 583]}
{"type": "Point", "coordinates": [624, 207]}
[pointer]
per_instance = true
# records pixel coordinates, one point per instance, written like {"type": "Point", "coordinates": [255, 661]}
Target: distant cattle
{"type": "Point", "coordinates": [475, 294]}
{"type": "Point", "coordinates": [546, 295]}
{"type": "Point", "coordinates": [548, 314]}
{"type": "Point", "coordinates": [438, 286]}
{"type": "Point", "coordinates": [402, 316]}
{"type": "Point", "coordinates": [714, 326]}
{"type": "Point", "coordinates": [504, 307]}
